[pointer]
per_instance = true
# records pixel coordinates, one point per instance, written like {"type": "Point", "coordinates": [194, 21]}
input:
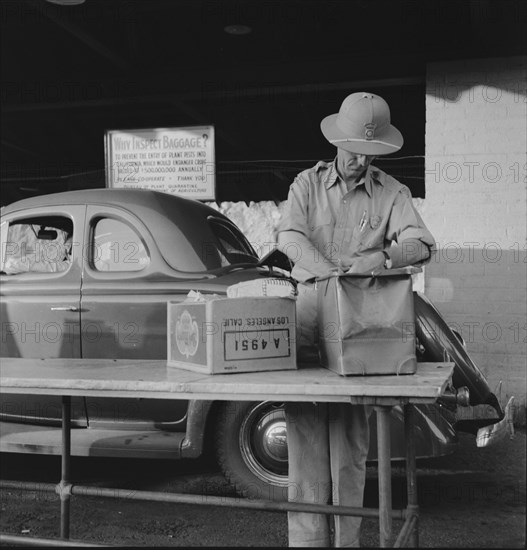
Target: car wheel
{"type": "Point", "coordinates": [251, 448]}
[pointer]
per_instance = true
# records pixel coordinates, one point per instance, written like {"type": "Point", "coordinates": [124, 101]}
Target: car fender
{"type": "Point", "coordinates": [197, 417]}
{"type": "Point", "coordinates": [440, 344]}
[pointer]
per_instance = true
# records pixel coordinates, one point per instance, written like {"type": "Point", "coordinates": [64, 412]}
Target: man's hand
{"type": "Point", "coordinates": [369, 264]}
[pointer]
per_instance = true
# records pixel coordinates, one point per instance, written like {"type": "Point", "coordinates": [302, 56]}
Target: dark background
{"type": "Point", "coordinates": [70, 73]}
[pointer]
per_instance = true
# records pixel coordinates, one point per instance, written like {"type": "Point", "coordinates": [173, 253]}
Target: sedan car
{"type": "Point", "coordinates": [88, 274]}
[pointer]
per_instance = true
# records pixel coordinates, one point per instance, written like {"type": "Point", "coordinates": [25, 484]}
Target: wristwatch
{"type": "Point", "coordinates": [387, 260]}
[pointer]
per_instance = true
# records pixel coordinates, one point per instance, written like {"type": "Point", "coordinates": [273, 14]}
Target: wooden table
{"type": "Point", "coordinates": [154, 380]}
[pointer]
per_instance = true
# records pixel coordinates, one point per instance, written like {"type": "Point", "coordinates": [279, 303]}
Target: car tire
{"type": "Point", "coordinates": [251, 448]}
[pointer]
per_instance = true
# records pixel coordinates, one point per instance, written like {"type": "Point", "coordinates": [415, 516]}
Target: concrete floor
{"type": "Point", "coordinates": [474, 498]}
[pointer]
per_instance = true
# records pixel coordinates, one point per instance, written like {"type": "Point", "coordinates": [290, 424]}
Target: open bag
{"type": "Point", "coordinates": [367, 323]}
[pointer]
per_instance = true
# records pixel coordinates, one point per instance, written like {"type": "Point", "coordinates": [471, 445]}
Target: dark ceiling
{"type": "Point", "coordinates": [70, 73]}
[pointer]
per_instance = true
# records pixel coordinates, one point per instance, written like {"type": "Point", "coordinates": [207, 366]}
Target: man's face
{"type": "Point", "coordinates": [351, 165]}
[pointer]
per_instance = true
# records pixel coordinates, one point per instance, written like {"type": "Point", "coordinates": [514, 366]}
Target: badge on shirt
{"type": "Point", "coordinates": [375, 222]}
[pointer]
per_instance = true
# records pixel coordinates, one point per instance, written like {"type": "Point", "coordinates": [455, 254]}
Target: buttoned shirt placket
{"type": "Point", "coordinates": [344, 226]}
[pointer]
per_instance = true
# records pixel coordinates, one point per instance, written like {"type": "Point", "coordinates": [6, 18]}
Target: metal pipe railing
{"type": "Point", "coordinates": [203, 500]}
{"type": "Point", "coordinates": [16, 540]}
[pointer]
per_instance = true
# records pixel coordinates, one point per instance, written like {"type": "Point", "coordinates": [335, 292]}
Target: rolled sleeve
{"type": "Point", "coordinates": [406, 223]}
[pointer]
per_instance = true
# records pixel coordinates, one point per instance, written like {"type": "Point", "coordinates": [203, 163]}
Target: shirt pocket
{"type": "Point", "coordinates": [320, 221]}
{"type": "Point", "coordinates": [371, 236]}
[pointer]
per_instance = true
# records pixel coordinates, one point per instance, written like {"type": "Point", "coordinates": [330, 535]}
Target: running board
{"type": "Point", "coordinates": [23, 438]}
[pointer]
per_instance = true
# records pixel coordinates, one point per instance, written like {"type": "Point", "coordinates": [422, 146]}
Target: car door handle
{"type": "Point", "coordinates": [65, 308]}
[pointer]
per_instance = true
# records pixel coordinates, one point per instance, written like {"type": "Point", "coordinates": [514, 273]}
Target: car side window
{"type": "Point", "coordinates": [37, 245]}
{"type": "Point", "coordinates": [116, 246]}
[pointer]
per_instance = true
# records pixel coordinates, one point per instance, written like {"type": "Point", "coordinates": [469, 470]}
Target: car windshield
{"type": "Point", "coordinates": [230, 247]}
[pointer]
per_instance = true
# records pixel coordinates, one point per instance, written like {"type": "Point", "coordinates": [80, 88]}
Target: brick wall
{"type": "Point", "coordinates": [475, 206]}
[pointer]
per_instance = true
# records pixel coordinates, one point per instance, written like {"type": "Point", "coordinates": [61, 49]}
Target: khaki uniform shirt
{"type": "Point", "coordinates": [343, 225]}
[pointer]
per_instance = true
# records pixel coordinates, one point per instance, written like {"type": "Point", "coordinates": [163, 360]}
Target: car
{"type": "Point", "coordinates": [88, 274]}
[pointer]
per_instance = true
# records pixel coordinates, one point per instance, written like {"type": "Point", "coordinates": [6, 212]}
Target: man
{"type": "Point", "coordinates": [345, 216]}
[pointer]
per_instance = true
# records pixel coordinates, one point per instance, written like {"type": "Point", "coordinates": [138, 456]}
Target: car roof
{"type": "Point", "coordinates": [178, 225]}
{"type": "Point", "coordinates": [128, 198]}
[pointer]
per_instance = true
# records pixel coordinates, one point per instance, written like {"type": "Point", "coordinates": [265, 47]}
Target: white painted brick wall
{"type": "Point", "coordinates": [475, 206]}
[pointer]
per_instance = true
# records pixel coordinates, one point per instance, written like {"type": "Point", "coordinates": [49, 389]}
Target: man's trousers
{"type": "Point", "coordinates": [328, 445]}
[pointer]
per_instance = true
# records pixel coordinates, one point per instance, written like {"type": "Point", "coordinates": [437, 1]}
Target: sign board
{"type": "Point", "coordinates": [179, 161]}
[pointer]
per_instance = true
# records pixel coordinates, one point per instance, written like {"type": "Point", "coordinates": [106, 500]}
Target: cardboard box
{"type": "Point", "coordinates": [367, 324]}
{"type": "Point", "coordinates": [225, 335]}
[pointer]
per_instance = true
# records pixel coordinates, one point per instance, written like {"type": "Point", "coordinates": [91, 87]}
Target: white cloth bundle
{"type": "Point", "coordinates": [275, 287]}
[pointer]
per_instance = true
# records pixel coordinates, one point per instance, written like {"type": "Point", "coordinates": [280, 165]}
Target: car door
{"type": "Point", "coordinates": [40, 300]}
{"type": "Point", "coordinates": [124, 313]}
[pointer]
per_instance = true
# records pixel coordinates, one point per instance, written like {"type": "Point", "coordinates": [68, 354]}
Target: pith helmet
{"type": "Point", "coordinates": [363, 126]}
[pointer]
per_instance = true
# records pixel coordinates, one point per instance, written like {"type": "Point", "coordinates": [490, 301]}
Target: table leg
{"type": "Point", "coordinates": [411, 472]}
{"type": "Point", "coordinates": [385, 479]}
{"type": "Point", "coordinates": [64, 488]}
